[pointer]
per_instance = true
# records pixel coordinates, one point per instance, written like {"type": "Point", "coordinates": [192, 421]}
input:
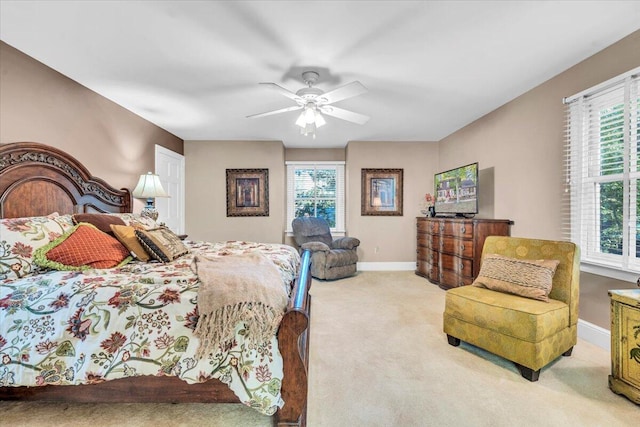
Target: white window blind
{"type": "Point", "coordinates": [603, 179]}
{"type": "Point", "coordinates": [316, 189]}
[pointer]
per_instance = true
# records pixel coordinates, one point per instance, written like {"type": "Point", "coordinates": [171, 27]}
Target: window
{"type": "Point", "coordinates": [316, 189]}
{"type": "Point", "coordinates": [603, 175]}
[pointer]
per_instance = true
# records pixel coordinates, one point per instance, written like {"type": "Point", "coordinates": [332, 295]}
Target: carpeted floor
{"type": "Point", "coordinates": [379, 358]}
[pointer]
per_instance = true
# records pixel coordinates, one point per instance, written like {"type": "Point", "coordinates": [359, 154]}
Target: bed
{"type": "Point", "coordinates": [37, 180]}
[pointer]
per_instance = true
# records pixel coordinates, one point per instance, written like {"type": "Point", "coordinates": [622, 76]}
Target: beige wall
{"type": "Point", "coordinates": [41, 105]}
{"type": "Point", "coordinates": [389, 238]}
{"type": "Point", "coordinates": [315, 154]}
{"type": "Point", "coordinates": [206, 162]}
{"type": "Point", "coordinates": [206, 210]}
{"type": "Point", "coordinates": [523, 141]}
{"type": "Point", "coordinates": [594, 298]}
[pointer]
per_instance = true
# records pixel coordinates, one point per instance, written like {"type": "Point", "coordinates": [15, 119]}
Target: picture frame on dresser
{"type": "Point", "coordinates": [247, 192]}
{"type": "Point", "coordinates": [381, 193]}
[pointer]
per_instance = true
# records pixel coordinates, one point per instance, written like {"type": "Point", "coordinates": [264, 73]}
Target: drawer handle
{"type": "Point", "coordinates": [463, 229]}
{"type": "Point", "coordinates": [461, 265]}
{"type": "Point", "coordinates": [462, 248]}
{"type": "Point", "coordinates": [441, 227]}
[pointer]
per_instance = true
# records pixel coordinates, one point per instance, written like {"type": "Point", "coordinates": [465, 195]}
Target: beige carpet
{"type": "Point", "coordinates": [379, 358]}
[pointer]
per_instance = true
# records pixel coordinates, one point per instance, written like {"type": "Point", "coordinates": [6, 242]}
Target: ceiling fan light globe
{"type": "Point", "coordinates": [320, 121]}
{"type": "Point", "coordinates": [311, 128]}
{"type": "Point", "coordinates": [301, 120]}
{"type": "Point", "coordinates": [310, 115]}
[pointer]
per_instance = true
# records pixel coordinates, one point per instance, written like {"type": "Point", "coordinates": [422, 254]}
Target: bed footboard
{"type": "Point", "coordinates": [293, 340]}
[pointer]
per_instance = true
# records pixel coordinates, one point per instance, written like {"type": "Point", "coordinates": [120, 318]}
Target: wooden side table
{"type": "Point", "coordinates": [625, 343]}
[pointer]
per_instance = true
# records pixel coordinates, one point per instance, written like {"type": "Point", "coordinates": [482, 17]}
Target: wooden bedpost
{"type": "Point", "coordinates": [293, 340]}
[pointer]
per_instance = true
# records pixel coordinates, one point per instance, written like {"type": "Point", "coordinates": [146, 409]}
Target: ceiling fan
{"type": "Point", "coordinates": [314, 102]}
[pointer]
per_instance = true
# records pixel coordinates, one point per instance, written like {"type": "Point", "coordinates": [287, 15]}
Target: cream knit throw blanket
{"type": "Point", "coordinates": [237, 288]}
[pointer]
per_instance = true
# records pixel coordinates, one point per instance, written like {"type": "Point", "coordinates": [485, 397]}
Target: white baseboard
{"type": "Point", "coordinates": [594, 334]}
{"type": "Point", "coordinates": [387, 266]}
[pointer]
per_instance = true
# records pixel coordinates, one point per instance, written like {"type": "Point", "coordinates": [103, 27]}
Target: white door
{"type": "Point", "coordinates": [170, 168]}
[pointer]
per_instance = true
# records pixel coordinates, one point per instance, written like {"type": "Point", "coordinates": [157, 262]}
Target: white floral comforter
{"type": "Point", "coordinates": [68, 328]}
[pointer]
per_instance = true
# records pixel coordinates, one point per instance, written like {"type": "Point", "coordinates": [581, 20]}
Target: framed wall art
{"type": "Point", "coordinates": [381, 192]}
{"type": "Point", "coordinates": [247, 192]}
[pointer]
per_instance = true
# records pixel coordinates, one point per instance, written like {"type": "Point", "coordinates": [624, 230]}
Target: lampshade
{"type": "Point", "coordinates": [149, 186]}
{"type": "Point", "coordinates": [309, 120]}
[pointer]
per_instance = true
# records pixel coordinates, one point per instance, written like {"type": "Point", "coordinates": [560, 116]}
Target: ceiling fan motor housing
{"type": "Point", "coordinates": [309, 93]}
{"type": "Point", "coordinates": [310, 77]}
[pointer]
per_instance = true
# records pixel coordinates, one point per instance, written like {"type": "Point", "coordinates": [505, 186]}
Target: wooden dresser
{"type": "Point", "coordinates": [625, 343]}
{"type": "Point", "coordinates": [449, 249]}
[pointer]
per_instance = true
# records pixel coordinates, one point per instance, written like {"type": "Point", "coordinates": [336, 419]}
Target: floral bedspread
{"type": "Point", "coordinates": [68, 328]}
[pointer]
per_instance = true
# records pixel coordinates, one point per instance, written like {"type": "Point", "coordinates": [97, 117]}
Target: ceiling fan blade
{"type": "Point", "coordinates": [343, 92]}
{"type": "Point", "coordinates": [343, 114]}
{"type": "Point", "coordinates": [282, 110]}
{"type": "Point", "coordinates": [283, 91]}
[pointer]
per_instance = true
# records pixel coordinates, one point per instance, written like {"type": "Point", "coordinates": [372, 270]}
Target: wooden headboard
{"type": "Point", "coordinates": [36, 180]}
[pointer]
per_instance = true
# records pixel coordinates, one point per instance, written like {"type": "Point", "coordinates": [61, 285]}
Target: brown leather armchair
{"type": "Point", "coordinates": [330, 259]}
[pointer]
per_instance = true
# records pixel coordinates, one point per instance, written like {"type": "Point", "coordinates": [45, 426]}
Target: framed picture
{"type": "Point", "coordinates": [247, 192]}
{"type": "Point", "coordinates": [381, 192]}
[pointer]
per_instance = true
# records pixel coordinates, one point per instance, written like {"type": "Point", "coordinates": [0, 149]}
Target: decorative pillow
{"type": "Point", "coordinates": [101, 221]}
{"type": "Point", "coordinates": [82, 248]}
{"type": "Point", "coordinates": [19, 237]}
{"type": "Point", "coordinates": [525, 277]}
{"type": "Point", "coordinates": [127, 236]}
{"type": "Point", "coordinates": [162, 244]}
{"type": "Point", "coordinates": [137, 221]}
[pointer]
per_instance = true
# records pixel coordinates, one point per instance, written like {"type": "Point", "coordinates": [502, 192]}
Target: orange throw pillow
{"type": "Point", "coordinates": [83, 247]}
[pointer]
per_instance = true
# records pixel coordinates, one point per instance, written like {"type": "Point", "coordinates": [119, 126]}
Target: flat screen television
{"type": "Point", "coordinates": [456, 191]}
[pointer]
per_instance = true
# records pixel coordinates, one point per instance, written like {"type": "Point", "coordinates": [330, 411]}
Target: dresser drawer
{"type": "Point", "coordinates": [457, 229]}
{"type": "Point", "coordinates": [460, 247]}
{"type": "Point", "coordinates": [427, 269]}
{"type": "Point", "coordinates": [454, 279]}
{"type": "Point", "coordinates": [422, 267]}
{"type": "Point", "coordinates": [427, 255]}
{"type": "Point", "coordinates": [428, 241]}
{"type": "Point", "coordinates": [459, 265]}
{"type": "Point", "coordinates": [427, 226]}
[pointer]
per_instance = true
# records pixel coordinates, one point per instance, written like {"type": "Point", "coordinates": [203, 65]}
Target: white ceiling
{"type": "Point", "coordinates": [431, 67]}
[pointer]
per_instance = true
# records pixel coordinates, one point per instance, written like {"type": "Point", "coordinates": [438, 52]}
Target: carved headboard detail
{"type": "Point", "coordinates": [37, 179]}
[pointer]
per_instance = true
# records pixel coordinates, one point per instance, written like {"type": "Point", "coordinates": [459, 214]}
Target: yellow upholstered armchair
{"type": "Point", "coordinates": [529, 332]}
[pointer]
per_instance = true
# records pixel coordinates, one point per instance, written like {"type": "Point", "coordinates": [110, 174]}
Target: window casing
{"type": "Point", "coordinates": [316, 189]}
{"type": "Point", "coordinates": [603, 175]}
